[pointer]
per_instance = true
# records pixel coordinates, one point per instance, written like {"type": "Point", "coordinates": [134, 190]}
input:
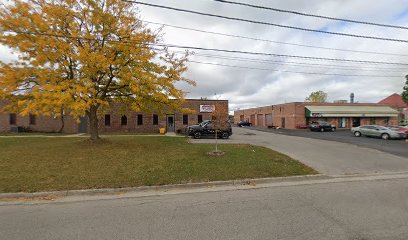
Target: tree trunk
{"type": "Point", "coordinates": [93, 122]}
{"type": "Point", "coordinates": [62, 121]}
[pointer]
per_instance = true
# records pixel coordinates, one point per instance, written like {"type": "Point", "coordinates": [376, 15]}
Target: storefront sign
{"type": "Point", "coordinates": [207, 108]}
{"type": "Point", "coordinates": [317, 115]}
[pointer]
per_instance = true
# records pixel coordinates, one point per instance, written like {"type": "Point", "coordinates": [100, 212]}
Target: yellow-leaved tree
{"type": "Point", "coordinates": [84, 55]}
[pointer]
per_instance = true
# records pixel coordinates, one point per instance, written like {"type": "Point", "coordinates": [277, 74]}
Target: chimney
{"type": "Point", "coordinates": [351, 97]}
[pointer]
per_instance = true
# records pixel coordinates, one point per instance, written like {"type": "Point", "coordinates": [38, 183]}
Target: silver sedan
{"type": "Point", "coordinates": [377, 131]}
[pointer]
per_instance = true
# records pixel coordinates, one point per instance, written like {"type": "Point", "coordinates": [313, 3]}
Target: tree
{"type": "Point", "coordinates": [219, 117]}
{"type": "Point", "coordinates": [318, 96]}
{"type": "Point", "coordinates": [85, 55]}
{"type": "Point", "coordinates": [404, 94]}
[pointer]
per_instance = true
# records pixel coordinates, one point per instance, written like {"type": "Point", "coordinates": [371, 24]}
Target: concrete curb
{"type": "Point", "coordinates": [163, 188]}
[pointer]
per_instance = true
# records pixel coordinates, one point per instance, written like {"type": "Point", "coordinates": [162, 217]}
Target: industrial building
{"type": "Point", "coordinates": [117, 121]}
{"type": "Point", "coordinates": [300, 114]}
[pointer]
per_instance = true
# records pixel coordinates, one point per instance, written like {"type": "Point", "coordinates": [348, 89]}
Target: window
{"type": "Point", "coordinates": [200, 118]}
{"type": "Point", "coordinates": [139, 119]}
{"type": "Point", "coordinates": [386, 121]}
{"type": "Point", "coordinates": [155, 119]}
{"type": "Point", "coordinates": [123, 120]}
{"type": "Point", "coordinates": [32, 119]}
{"type": "Point", "coordinates": [13, 119]}
{"type": "Point", "coordinates": [185, 119]}
{"type": "Point", "coordinates": [107, 120]}
{"type": "Point", "coordinates": [372, 121]}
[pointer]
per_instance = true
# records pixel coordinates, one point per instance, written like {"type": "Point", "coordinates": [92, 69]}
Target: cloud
{"type": "Point", "coordinates": [249, 87]}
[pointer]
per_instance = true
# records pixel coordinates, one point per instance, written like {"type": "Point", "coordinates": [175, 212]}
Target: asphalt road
{"type": "Point", "coordinates": [361, 210]}
{"type": "Point", "coordinates": [394, 146]}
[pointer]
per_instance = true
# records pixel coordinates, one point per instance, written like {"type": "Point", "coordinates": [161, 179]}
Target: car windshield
{"type": "Point", "coordinates": [202, 124]}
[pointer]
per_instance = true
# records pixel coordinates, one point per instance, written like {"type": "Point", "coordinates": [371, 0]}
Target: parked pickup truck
{"type": "Point", "coordinates": [206, 129]}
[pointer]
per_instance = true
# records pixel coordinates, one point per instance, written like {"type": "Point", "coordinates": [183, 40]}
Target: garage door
{"type": "Point", "coordinates": [260, 120]}
{"type": "Point", "coordinates": [268, 120]}
{"type": "Point", "coordinates": [252, 120]}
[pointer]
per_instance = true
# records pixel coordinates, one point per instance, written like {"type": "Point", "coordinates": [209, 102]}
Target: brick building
{"type": "Point", "coordinates": [116, 121]}
{"type": "Point", "coordinates": [395, 101]}
{"type": "Point", "coordinates": [300, 114]}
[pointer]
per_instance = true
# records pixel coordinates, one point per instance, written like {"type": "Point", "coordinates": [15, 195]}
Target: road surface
{"type": "Point", "coordinates": [358, 210]}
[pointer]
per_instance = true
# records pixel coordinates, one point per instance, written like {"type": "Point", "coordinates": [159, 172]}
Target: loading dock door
{"type": "Point", "coordinates": [268, 120]}
{"type": "Point", "coordinates": [260, 120]}
{"type": "Point", "coordinates": [252, 120]}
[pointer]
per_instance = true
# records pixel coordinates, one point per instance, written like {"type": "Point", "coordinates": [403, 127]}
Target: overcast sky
{"type": "Point", "coordinates": [249, 87]}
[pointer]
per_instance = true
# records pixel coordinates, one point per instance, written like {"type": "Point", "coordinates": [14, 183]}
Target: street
{"type": "Point", "coordinates": [357, 210]}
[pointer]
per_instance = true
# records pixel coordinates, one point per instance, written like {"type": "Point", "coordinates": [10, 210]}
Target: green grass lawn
{"type": "Point", "coordinates": [45, 164]}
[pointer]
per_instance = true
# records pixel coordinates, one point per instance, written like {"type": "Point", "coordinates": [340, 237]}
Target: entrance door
{"type": "Point", "coordinates": [83, 125]}
{"type": "Point", "coordinates": [356, 122]}
{"type": "Point", "coordinates": [283, 122]}
{"type": "Point", "coordinates": [342, 122]}
{"type": "Point", "coordinates": [170, 123]}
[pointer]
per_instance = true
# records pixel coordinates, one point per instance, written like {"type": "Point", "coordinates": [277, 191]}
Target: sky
{"type": "Point", "coordinates": [275, 82]}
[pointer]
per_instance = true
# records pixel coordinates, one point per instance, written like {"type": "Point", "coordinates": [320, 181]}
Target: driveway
{"type": "Point", "coordinates": [328, 157]}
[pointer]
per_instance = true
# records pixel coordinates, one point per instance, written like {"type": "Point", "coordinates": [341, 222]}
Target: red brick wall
{"type": "Point", "coordinates": [42, 123]}
{"type": "Point", "coordinates": [294, 115]}
{"type": "Point", "coordinates": [50, 124]}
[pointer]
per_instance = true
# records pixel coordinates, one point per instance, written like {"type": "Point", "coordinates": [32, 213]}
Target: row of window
{"type": "Point", "coordinates": [124, 121]}
{"type": "Point", "coordinates": [13, 119]}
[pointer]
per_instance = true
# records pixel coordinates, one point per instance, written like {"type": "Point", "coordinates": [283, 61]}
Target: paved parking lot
{"type": "Point", "coordinates": [396, 147]}
{"type": "Point", "coordinates": [331, 158]}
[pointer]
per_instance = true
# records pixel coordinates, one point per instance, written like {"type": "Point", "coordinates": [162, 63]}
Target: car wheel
{"type": "Point", "coordinates": [357, 134]}
{"type": "Point", "coordinates": [385, 136]}
{"type": "Point", "coordinates": [225, 135]}
{"type": "Point", "coordinates": [197, 135]}
{"type": "Point", "coordinates": [333, 129]}
{"type": "Point", "coordinates": [321, 129]}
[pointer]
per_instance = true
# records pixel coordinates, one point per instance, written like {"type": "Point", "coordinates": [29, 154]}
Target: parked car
{"type": "Point", "coordinates": [322, 126]}
{"type": "Point", "coordinates": [377, 131]}
{"type": "Point", "coordinates": [207, 128]}
{"type": "Point", "coordinates": [244, 124]}
{"type": "Point", "coordinates": [399, 129]}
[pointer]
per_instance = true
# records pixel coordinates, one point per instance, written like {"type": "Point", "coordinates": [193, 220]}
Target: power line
{"type": "Point", "coordinates": [280, 55]}
{"type": "Point", "coordinates": [272, 41]}
{"type": "Point", "coordinates": [276, 70]}
{"type": "Point", "coordinates": [313, 15]}
{"type": "Point", "coordinates": [304, 65]}
{"type": "Point", "coordinates": [268, 23]}
{"type": "Point", "coordinates": [212, 49]}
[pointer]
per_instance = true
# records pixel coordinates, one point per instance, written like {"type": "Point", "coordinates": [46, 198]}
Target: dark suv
{"type": "Point", "coordinates": [322, 126]}
{"type": "Point", "coordinates": [206, 128]}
